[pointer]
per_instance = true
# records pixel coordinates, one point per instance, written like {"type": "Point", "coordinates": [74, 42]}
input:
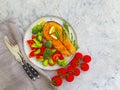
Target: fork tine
{"type": "Point", "coordinates": [13, 44]}
{"type": "Point", "coordinates": [11, 41]}
{"type": "Point", "coordinates": [8, 41]}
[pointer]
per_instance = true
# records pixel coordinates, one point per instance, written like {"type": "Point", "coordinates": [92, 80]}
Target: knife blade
{"type": "Point", "coordinates": [18, 58]}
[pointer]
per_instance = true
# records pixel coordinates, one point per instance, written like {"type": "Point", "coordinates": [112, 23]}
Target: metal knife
{"type": "Point", "coordinates": [18, 58]}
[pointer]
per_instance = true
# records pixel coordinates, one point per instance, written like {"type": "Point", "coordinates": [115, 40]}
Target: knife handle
{"type": "Point", "coordinates": [28, 72]}
{"type": "Point", "coordinates": [33, 71]}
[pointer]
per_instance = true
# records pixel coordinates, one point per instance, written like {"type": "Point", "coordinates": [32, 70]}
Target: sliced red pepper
{"type": "Point", "coordinates": [57, 52]}
{"type": "Point", "coordinates": [61, 57]}
{"type": "Point", "coordinates": [33, 36]}
{"type": "Point", "coordinates": [52, 47]}
{"type": "Point", "coordinates": [42, 50]}
{"type": "Point", "coordinates": [42, 42]}
{"type": "Point", "coordinates": [30, 42]}
{"type": "Point", "coordinates": [32, 54]}
{"type": "Point", "coordinates": [39, 56]}
{"type": "Point", "coordinates": [55, 57]}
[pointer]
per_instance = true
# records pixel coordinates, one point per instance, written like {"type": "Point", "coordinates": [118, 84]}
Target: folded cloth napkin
{"type": "Point", "coordinates": [12, 75]}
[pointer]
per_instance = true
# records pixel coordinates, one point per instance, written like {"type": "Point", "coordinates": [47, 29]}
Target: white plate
{"type": "Point", "coordinates": [28, 35]}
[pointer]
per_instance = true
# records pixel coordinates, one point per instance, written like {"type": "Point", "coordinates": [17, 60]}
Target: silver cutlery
{"type": "Point", "coordinates": [14, 49]}
{"type": "Point", "coordinates": [31, 72]}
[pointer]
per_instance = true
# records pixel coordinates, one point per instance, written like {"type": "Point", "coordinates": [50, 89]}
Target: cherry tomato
{"type": "Point", "coordinates": [56, 80]}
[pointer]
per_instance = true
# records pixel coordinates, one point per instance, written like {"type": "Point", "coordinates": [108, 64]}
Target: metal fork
{"type": "Point", "coordinates": [15, 46]}
{"type": "Point", "coordinates": [48, 80]}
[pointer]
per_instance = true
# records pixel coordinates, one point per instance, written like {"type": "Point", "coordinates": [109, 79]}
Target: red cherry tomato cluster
{"type": "Point", "coordinates": [73, 69]}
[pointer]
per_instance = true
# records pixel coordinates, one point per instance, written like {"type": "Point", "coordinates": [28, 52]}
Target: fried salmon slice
{"type": "Point", "coordinates": [55, 41]}
{"type": "Point", "coordinates": [69, 46]}
{"type": "Point", "coordinates": [65, 39]}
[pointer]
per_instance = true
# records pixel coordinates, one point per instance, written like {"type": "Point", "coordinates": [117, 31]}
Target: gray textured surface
{"type": "Point", "coordinates": [97, 23]}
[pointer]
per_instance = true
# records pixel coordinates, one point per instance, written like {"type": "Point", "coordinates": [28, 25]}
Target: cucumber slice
{"type": "Point", "coordinates": [37, 43]}
{"type": "Point", "coordinates": [45, 62]}
{"type": "Point", "coordinates": [37, 52]}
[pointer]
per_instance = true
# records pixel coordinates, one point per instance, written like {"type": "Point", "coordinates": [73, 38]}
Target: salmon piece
{"type": "Point", "coordinates": [69, 46]}
{"type": "Point", "coordinates": [63, 44]}
{"type": "Point", "coordinates": [56, 42]}
{"type": "Point", "coordinates": [66, 41]}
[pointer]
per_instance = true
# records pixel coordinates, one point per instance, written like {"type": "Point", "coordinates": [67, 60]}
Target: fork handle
{"type": "Point", "coordinates": [28, 72]}
{"type": "Point", "coordinates": [33, 70]}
